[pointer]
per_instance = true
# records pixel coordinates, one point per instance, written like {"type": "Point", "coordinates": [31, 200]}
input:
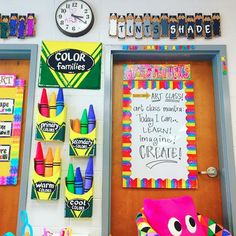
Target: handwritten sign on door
{"type": "Point", "coordinates": [159, 148]}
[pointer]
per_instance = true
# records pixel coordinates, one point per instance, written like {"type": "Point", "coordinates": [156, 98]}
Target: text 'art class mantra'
{"type": "Point", "coordinates": [172, 26]}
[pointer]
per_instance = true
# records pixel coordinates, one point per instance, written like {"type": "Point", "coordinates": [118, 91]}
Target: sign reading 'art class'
{"type": "Point", "coordinates": [70, 65]}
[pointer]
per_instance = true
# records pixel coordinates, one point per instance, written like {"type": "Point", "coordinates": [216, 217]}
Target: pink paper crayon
{"type": "Point", "coordinates": [39, 160]}
{"type": "Point", "coordinates": [43, 105]}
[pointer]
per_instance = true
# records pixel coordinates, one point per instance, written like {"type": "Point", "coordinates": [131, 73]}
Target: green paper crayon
{"type": "Point", "coordinates": [84, 122]}
{"type": "Point", "coordinates": [70, 179]}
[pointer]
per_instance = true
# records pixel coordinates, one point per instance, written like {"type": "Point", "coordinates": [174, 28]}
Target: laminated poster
{"type": "Point", "coordinates": [11, 105]}
{"type": "Point", "coordinates": [70, 65]}
{"type": "Point", "coordinates": [158, 140]}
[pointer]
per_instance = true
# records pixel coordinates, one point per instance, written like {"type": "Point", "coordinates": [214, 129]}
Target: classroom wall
{"type": "Point", "coordinates": [51, 214]}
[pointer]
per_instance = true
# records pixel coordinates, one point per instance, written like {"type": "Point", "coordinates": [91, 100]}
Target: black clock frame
{"type": "Point", "coordinates": [76, 34]}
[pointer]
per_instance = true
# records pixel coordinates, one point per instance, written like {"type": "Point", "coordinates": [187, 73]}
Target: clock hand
{"type": "Point", "coordinates": [79, 18]}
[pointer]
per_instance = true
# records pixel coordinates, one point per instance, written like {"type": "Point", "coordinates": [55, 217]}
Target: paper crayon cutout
{"type": "Point", "coordinates": [216, 24]}
{"type": "Point", "coordinates": [138, 27]}
{"type": "Point", "coordinates": [46, 174]}
{"type": "Point", "coordinates": [21, 27]}
{"type": "Point", "coordinates": [59, 102]}
{"type": "Point", "coordinates": [199, 24]}
{"type": "Point", "coordinates": [190, 27]}
{"type": "Point", "coordinates": [30, 25]}
{"type": "Point", "coordinates": [52, 105]}
{"type": "Point", "coordinates": [39, 160]}
{"type": "Point", "coordinates": [4, 31]}
{"type": "Point", "coordinates": [181, 25]}
{"type": "Point", "coordinates": [78, 182]}
{"type": "Point", "coordinates": [5, 129]}
{"type": "Point", "coordinates": [84, 122]}
{"type": "Point", "coordinates": [57, 161]}
{"type": "Point", "coordinates": [76, 125]}
{"type": "Point", "coordinates": [13, 24]}
{"type": "Point", "coordinates": [207, 27]}
{"type": "Point", "coordinates": [6, 106]}
{"type": "Point", "coordinates": [48, 163]}
{"type": "Point", "coordinates": [121, 26]}
{"type": "Point", "coordinates": [130, 25]}
{"type": "Point", "coordinates": [156, 27]}
{"type": "Point", "coordinates": [173, 26]}
{"type": "Point", "coordinates": [113, 24]}
{"type": "Point", "coordinates": [5, 151]}
{"type": "Point", "coordinates": [91, 119]}
{"type": "Point", "coordinates": [164, 25]}
{"type": "Point", "coordinates": [88, 180]}
{"type": "Point", "coordinates": [147, 25]}
{"type": "Point", "coordinates": [43, 105]}
{"type": "Point", "coordinates": [70, 179]}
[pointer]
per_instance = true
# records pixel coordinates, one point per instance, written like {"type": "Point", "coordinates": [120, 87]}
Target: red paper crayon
{"type": "Point", "coordinates": [43, 105]}
{"type": "Point", "coordinates": [39, 160]}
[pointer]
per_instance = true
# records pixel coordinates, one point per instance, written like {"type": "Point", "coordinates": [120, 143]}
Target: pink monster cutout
{"type": "Point", "coordinates": [173, 217]}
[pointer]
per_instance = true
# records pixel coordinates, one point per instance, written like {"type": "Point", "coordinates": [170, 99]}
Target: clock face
{"type": "Point", "coordinates": [74, 18]}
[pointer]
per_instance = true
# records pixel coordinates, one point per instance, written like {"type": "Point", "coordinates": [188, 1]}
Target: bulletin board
{"type": "Point", "coordinates": [11, 105]}
{"type": "Point", "coordinates": [159, 138]}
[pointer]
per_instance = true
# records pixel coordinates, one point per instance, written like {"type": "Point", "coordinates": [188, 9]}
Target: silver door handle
{"type": "Point", "coordinates": [211, 172]}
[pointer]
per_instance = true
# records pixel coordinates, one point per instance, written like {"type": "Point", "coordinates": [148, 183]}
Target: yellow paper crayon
{"type": "Point", "coordinates": [27, 234]}
{"type": "Point", "coordinates": [52, 105]}
{"type": "Point", "coordinates": [76, 125]}
{"type": "Point", "coordinates": [57, 161]}
{"type": "Point", "coordinates": [48, 163]}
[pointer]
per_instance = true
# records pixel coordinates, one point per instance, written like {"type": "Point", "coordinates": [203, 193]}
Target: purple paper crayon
{"type": "Point", "coordinates": [88, 181]}
{"type": "Point", "coordinates": [91, 119]}
{"type": "Point", "coordinates": [30, 25]}
{"type": "Point", "coordinates": [78, 182]}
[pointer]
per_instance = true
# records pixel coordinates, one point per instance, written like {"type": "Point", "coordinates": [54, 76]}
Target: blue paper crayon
{"type": "Point", "coordinates": [91, 119]}
{"type": "Point", "coordinates": [88, 181]}
{"type": "Point", "coordinates": [59, 101]}
{"type": "Point", "coordinates": [78, 182]}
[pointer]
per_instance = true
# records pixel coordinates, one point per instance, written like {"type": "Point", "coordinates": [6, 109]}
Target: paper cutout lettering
{"type": "Point", "coordinates": [147, 25]}
{"type": "Point", "coordinates": [199, 24]}
{"type": "Point", "coordinates": [173, 27]}
{"type": "Point", "coordinates": [138, 27]}
{"type": "Point", "coordinates": [121, 27]}
{"type": "Point", "coordinates": [130, 24]}
{"type": "Point", "coordinates": [113, 24]}
{"type": "Point", "coordinates": [156, 27]}
{"type": "Point", "coordinates": [216, 24]}
{"type": "Point", "coordinates": [181, 25]}
{"type": "Point", "coordinates": [190, 27]}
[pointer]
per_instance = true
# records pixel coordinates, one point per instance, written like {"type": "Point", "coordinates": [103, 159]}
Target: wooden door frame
{"type": "Point", "coordinates": [217, 55]}
{"type": "Point", "coordinates": [24, 52]}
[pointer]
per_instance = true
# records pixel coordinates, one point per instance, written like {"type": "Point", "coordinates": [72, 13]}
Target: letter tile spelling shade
{"type": "Point", "coordinates": [190, 27]}
{"type": "Point", "coordinates": [207, 27]}
{"type": "Point", "coordinates": [181, 25]}
{"type": "Point", "coordinates": [121, 27]}
{"type": "Point", "coordinates": [130, 24]}
{"type": "Point", "coordinates": [173, 23]}
{"type": "Point", "coordinates": [164, 25]}
{"type": "Point", "coordinates": [199, 24]}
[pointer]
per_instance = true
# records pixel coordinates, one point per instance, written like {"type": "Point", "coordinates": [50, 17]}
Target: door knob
{"type": "Point", "coordinates": [211, 172]}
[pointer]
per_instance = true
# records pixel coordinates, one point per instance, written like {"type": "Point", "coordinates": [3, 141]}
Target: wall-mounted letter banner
{"type": "Point", "coordinates": [157, 72]}
{"type": "Point", "coordinates": [11, 105]}
{"type": "Point", "coordinates": [158, 149]}
{"type": "Point", "coordinates": [70, 65]}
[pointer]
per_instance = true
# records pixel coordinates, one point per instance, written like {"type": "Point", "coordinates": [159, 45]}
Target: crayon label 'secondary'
{"type": "Point", "coordinates": [51, 128]}
{"type": "Point", "coordinates": [45, 188]}
{"type": "Point", "coordinates": [82, 145]}
{"type": "Point", "coordinates": [78, 205]}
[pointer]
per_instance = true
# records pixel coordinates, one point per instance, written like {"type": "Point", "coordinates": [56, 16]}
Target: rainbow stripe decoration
{"type": "Point", "coordinates": [127, 153]}
{"type": "Point", "coordinates": [9, 163]}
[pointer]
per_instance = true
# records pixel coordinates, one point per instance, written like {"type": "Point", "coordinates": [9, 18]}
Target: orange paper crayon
{"type": "Point", "coordinates": [49, 163]}
{"type": "Point", "coordinates": [57, 161]}
{"type": "Point", "coordinates": [76, 125]}
{"type": "Point", "coordinates": [39, 160]}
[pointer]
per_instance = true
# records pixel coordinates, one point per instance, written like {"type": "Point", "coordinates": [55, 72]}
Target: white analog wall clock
{"type": "Point", "coordinates": [74, 18]}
